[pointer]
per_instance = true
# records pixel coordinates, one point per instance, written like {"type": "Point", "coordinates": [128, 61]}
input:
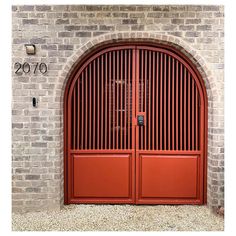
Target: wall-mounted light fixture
{"type": "Point", "coordinates": [30, 49]}
{"type": "Point", "coordinates": [34, 102]}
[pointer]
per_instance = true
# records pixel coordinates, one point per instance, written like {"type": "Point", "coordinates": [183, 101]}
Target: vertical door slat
{"type": "Point", "coordinates": [102, 99]}
{"type": "Point", "coordinates": [98, 104]}
{"type": "Point", "coordinates": [106, 97]}
{"type": "Point", "coordinates": [74, 119]}
{"type": "Point", "coordinates": [110, 102]}
{"type": "Point", "coordinates": [196, 118]}
{"type": "Point", "coordinates": [133, 60]}
{"type": "Point", "coordinates": [86, 108]}
{"type": "Point", "coordinates": [177, 105]}
{"type": "Point", "coordinates": [125, 101]}
{"type": "Point", "coordinates": [173, 104]}
{"type": "Point", "coordinates": [181, 106]}
{"type": "Point", "coordinates": [149, 101]}
{"type": "Point", "coordinates": [145, 100]}
{"type": "Point", "coordinates": [193, 116]}
{"type": "Point", "coordinates": [128, 104]}
{"type": "Point", "coordinates": [153, 98]}
{"type": "Point", "coordinates": [121, 99]}
{"type": "Point", "coordinates": [185, 112]}
{"type": "Point", "coordinates": [82, 116]}
{"type": "Point", "coordinates": [94, 102]}
{"type": "Point", "coordinates": [117, 99]}
{"type": "Point", "coordinates": [90, 106]}
{"type": "Point", "coordinates": [189, 118]}
{"type": "Point", "coordinates": [157, 101]}
{"type": "Point", "coordinates": [78, 120]}
{"type": "Point", "coordinates": [169, 131]}
{"type": "Point", "coordinates": [141, 129]}
{"type": "Point", "coordinates": [161, 97]}
{"type": "Point", "coordinates": [165, 100]}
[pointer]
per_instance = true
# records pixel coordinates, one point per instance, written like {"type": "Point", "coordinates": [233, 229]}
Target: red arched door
{"type": "Point", "coordinates": [135, 128]}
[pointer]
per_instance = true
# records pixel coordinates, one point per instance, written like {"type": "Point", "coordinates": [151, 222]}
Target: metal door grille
{"type": "Point", "coordinates": [169, 98]}
{"type": "Point", "coordinates": [101, 104]}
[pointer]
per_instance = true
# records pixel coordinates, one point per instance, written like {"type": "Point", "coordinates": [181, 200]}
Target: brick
{"type": "Point", "coordinates": [127, 8]}
{"type": "Point", "coordinates": [129, 21]}
{"type": "Point", "coordinates": [89, 27]}
{"type": "Point", "coordinates": [193, 34]}
{"type": "Point", "coordinates": [21, 170]}
{"type": "Point", "coordinates": [65, 34]}
{"type": "Point", "coordinates": [77, 8]}
{"type": "Point", "coordinates": [97, 33]}
{"type": "Point", "coordinates": [137, 15]}
{"type": "Point", "coordinates": [137, 27]}
{"type": "Point", "coordinates": [17, 125]}
{"type": "Point", "coordinates": [47, 138]}
{"type": "Point", "coordinates": [38, 40]}
{"type": "Point", "coordinates": [70, 15]}
{"type": "Point", "coordinates": [83, 34]}
{"type": "Point", "coordinates": [43, 8]}
{"type": "Point", "coordinates": [39, 144]}
{"type": "Point", "coordinates": [204, 27]}
{"type": "Point", "coordinates": [72, 27]}
{"type": "Point", "coordinates": [186, 27]}
{"type": "Point", "coordinates": [65, 47]}
{"type": "Point", "coordinates": [211, 8]}
{"type": "Point", "coordinates": [103, 14]}
{"type": "Point", "coordinates": [161, 8]}
{"type": "Point", "coordinates": [177, 21]}
{"type": "Point", "coordinates": [34, 190]}
{"type": "Point", "coordinates": [32, 177]}
{"type": "Point", "coordinates": [30, 21]}
{"type": "Point", "coordinates": [26, 8]}
{"type": "Point", "coordinates": [193, 21]}
{"type": "Point", "coordinates": [155, 15]}
{"type": "Point", "coordinates": [93, 8]}
{"type": "Point", "coordinates": [62, 21]}
{"type": "Point", "coordinates": [194, 8]}
{"type": "Point", "coordinates": [120, 14]}
{"type": "Point", "coordinates": [49, 47]}
{"type": "Point", "coordinates": [106, 27]}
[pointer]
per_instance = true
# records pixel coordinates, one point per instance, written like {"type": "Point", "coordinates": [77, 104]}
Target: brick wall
{"type": "Point", "coordinates": [61, 35]}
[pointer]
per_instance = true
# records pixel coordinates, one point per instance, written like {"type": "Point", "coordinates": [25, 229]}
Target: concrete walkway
{"type": "Point", "coordinates": [121, 218]}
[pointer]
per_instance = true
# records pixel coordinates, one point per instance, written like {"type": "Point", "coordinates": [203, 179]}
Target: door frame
{"type": "Point", "coordinates": [99, 50]}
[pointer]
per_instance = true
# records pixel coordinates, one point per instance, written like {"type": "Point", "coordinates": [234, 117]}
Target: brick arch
{"type": "Point", "coordinates": [178, 43]}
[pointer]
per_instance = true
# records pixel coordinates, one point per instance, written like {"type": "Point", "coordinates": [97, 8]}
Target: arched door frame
{"type": "Point", "coordinates": [97, 51]}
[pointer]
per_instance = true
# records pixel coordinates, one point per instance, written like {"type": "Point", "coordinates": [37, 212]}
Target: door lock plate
{"type": "Point", "coordinates": [140, 120]}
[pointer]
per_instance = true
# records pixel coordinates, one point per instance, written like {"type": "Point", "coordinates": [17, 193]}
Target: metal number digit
{"type": "Point", "coordinates": [43, 68]}
{"type": "Point", "coordinates": [19, 67]}
{"type": "Point", "coordinates": [35, 68]}
{"type": "Point", "coordinates": [26, 68]}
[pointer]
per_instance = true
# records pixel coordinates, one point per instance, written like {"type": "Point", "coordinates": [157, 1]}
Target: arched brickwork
{"type": "Point", "coordinates": [211, 84]}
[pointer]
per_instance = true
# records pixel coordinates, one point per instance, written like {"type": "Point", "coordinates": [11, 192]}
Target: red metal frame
{"type": "Point", "coordinates": [135, 153]}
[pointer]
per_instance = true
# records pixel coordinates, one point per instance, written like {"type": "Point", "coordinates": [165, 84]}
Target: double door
{"type": "Point", "coordinates": [135, 122]}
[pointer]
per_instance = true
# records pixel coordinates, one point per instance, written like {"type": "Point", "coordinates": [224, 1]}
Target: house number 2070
{"type": "Point", "coordinates": [27, 68]}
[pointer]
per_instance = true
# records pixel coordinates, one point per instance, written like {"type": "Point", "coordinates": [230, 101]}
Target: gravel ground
{"type": "Point", "coordinates": [120, 218]}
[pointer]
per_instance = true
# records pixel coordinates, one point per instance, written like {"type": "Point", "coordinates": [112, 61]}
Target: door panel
{"type": "Point", "coordinates": [104, 175]}
{"type": "Point", "coordinates": [168, 176]}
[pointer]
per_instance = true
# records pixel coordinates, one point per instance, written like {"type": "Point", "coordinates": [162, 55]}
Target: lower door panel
{"type": "Point", "coordinates": [167, 179]}
{"type": "Point", "coordinates": [102, 178]}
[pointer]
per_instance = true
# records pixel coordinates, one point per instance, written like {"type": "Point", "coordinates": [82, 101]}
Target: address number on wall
{"type": "Point", "coordinates": [27, 68]}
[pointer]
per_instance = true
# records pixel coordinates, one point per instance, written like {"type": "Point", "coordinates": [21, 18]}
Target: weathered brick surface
{"type": "Point", "coordinates": [61, 35]}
